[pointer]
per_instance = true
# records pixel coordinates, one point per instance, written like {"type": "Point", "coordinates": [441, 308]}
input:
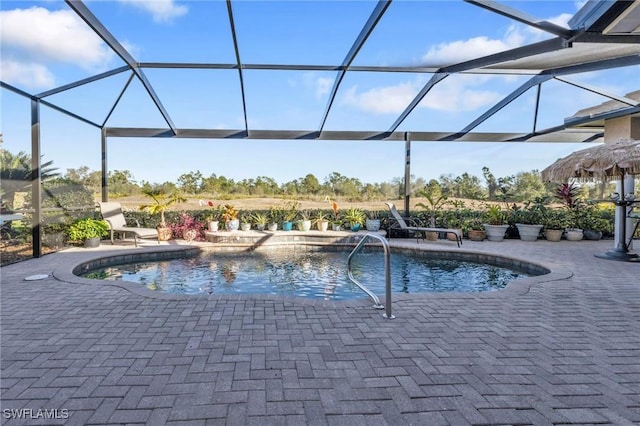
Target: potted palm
{"type": "Point", "coordinates": [435, 202]}
{"type": "Point", "coordinates": [162, 200]}
{"type": "Point", "coordinates": [89, 231]}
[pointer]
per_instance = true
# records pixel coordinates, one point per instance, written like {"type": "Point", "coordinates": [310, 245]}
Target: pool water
{"type": "Point", "coordinates": [310, 274]}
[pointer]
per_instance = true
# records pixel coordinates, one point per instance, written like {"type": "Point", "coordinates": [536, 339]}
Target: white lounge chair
{"type": "Point", "coordinates": [112, 213]}
{"type": "Point", "coordinates": [417, 228]}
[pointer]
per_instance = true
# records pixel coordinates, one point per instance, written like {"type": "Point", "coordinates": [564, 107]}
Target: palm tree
{"type": "Point", "coordinates": [15, 174]}
{"type": "Point", "coordinates": [161, 202]}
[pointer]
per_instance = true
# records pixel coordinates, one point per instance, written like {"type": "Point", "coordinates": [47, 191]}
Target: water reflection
{"type": "Point", "coordinates": [305, 273]}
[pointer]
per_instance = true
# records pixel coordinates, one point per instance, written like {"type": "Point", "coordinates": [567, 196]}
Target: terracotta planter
{"type": "Point", "coordinates": [452, 237]}
{"type": "Point", "coordinates": [189, 235]}
{"type": "Point", "coordinates": [164, 234]}
{"type": "Point", "coordinates": [476, 235]}
{"type": "Point", "coordinates": [431, 236]}
{"type": "Point", "coordinates": [554, 235]}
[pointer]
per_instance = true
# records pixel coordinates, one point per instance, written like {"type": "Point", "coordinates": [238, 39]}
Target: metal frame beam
{"type": "Point", "coordinates": [310, 67]}
{"type": "Point", "coordinates": [593, 89]}
{"type": "Point", "coordinates": [94, 23]}
{"type": "Point", "coordinates": [238, 62]}
{"type": "Point", "coordinates": [36, 180]}
{"type": "Point", "coordinates": [509, 55]}
{"type": "Point", "coordinates": [522, 17]}
{"type": "Point", "coordinates": [302, 135]}
{"type": "Point", "coordinates": [82, 82]}
{"type": "Point", "coordinates": [374, 18]}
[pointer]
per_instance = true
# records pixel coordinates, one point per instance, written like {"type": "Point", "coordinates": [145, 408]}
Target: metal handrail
{"type": "Point", "coordinates": [387, 273]}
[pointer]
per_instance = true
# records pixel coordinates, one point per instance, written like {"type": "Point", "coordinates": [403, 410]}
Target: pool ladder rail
{"type": "Point", "coordinates": [387, 273]}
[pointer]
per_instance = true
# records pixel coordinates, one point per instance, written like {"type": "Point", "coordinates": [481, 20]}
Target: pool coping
{"type": "Point", "coordinates": [66, 272]}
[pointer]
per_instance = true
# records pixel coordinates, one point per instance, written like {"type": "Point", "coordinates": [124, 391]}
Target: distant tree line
{"type": "Point", "coordinates": [520, 187]}
{"type": "Point", "coordinates": [16, 176]}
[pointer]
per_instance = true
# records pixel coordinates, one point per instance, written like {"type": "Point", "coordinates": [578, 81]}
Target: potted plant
{"type": "Point", "coordinates": [494, 224]}
{"type": "Point", "coordinates": [355, 217]}
{"type": "Point", "coordinates": [435, 202]}
{"type": "Point", "coordinates": [212, 218]}
{"type": "Point", "coordinates": [289, 213]}
{"type": "Point", "coordinates": [321, 221]}
{"type": "Point", "coordinates": [474, 229]}
{"type": "Point", "coordinates": [275, 217]}
{"type": "Point", "coordinates": [568, 193]}
{"type": "Point", "coordinates": [590, 220]}
{"type": "Point", "coordinates": [260, 220]}
{"type": "Point", "coordinates": [336, 220]}
{"type": "Point", "coordinates": [304, 223]}
{"type": "Point", "coordinates": [88, 230]}
{"type": "Point", "coordinates": [162, 200]}
{"type": "Point", "coordinates": [529, 219]}
{"type": "Point", "coordinates": [372, 223]}
{"type": "Point", "coordinates": [554, 222]}
{"type": "Point", "coordinates": [230, 218]}
{"type": "Point", "coordinates": [245, 220]}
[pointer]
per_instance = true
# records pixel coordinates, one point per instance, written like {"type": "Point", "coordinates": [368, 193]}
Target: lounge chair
{"type": "Point", "coordinates": [418, 228]}
{"type": "Point", "coordinates": [112, 213]}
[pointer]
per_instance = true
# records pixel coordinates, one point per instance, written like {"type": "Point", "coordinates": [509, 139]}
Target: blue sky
{"type": "Point", "coordinates": [45, 45]}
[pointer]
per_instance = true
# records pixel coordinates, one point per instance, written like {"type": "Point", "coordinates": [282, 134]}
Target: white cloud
{"type": "Point", "coordinates": [26, 74]}
{"type": "Point", "coordinates": [53, 36]}
{"type": "Point", "coordinates": [476, 47]}
{"type": "Point", "coordinates": [450, 95]}
{"type": "Point", "coordinates": [382, 100]}
{"type": "Point", "coordinates": [323, 85]}
{"type": "Point", "coordinates": [459, 94]}
{"type": "Point", "coordinates": [160, 10]}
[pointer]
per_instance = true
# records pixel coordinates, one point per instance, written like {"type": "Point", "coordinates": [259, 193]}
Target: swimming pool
{"type": "Point", "coordinates": [309, 274]}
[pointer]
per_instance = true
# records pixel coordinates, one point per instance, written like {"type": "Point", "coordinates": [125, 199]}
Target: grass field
{"type": "Point", "coordinates": [263, 203]}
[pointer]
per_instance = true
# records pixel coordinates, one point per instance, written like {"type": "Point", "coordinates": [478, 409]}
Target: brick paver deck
{"type": "Point", "coordinates": [556, 352]}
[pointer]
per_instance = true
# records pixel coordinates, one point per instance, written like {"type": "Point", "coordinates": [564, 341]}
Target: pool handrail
{"type": "Point", "coordinates": [387, 273]}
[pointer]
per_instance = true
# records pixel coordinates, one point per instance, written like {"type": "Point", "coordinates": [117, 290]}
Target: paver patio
{"type": "Point", "coordinates": [557, 352]}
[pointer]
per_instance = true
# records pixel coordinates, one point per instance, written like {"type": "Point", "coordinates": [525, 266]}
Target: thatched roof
{"type": "Point", "coordinates": [608, 161]}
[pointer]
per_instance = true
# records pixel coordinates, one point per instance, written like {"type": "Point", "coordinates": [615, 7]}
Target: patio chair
{"type": "Point", "coordinates": [112, 213]}
{"type": "Point", "coordinates": [416, 226]}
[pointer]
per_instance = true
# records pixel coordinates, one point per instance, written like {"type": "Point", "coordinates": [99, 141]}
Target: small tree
{"type": "Point", "coordinates": [161, 202]}
{"type": "Point", "coordinates": [435, 202]}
